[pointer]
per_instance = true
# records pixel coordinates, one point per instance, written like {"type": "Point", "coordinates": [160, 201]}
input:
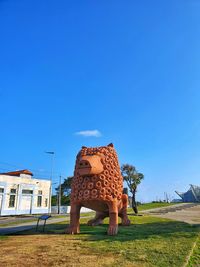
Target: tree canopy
{"type": "Point", "coordinates": [131, 176]}
{"type": "Point", "coordinates": [65, 186]}
{"type": "Point", "coordinates": [133, 179]}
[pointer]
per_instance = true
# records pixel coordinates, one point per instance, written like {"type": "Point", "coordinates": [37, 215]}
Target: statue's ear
{"type": "Point", "coordinates": [83, 147]}
{"type": "Point", "coordinates": [111, 145]}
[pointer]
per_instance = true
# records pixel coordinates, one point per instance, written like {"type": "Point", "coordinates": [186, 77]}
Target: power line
{"type": "Point", "coordinates": [38, 174]}
{"type": "Point", "coordinates": [22, 167]}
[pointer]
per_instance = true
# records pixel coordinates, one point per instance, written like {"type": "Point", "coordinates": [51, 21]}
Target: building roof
{"type": "Point", "coordinates": [192, 195]}
{"type": "Point", "coordinates": [17, 173]}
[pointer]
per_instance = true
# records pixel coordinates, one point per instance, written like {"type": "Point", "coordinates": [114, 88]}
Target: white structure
{"type": "Point", "coordinates": [21, 194]}
{"type": "Point", "coordinates": [66, 209]}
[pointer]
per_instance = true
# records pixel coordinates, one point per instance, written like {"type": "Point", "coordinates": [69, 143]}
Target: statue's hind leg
{"type": "Point", "coordinates": [113, 218]}
{"type": "Point", "coordinates": [125, 219]}
{"type": "Point", "coordinates": [98, 219]}
{"type": "Point", "coordinates": [123, 212]}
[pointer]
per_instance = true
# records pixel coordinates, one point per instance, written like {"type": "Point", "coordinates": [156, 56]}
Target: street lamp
{"type": "Point", "coordinates": [50, 189]}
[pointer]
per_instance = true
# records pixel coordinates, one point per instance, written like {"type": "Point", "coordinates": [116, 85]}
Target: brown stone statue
{"type": "Point", "coordinates": [98, 185]}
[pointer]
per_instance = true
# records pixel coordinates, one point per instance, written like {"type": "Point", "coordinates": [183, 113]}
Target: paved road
{"type": "Point", "coordinates": [171, 207]}
{"type": "Point", "coordinates": [185, 213]}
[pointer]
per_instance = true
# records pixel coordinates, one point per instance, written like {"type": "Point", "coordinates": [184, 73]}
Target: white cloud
{"type": "Point", "coordinates": [87, 133]}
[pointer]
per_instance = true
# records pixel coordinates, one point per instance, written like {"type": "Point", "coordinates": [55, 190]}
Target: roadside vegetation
{"type": "Point", "coordinates": [149, 241]}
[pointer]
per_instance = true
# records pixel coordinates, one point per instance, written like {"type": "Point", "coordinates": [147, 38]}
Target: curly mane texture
{"type": "Point", "coordinates": [107, 185]}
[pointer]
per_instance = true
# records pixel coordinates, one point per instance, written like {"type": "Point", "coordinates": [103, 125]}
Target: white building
{"type": "Point", "coordinates": [21, 194]}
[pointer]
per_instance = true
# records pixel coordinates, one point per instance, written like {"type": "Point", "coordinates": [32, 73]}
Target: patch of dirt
{"type": "Point", "coordinates": [44, 250]}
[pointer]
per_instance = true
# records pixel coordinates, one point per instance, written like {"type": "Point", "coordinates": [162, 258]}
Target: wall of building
{"type": "Point", "coordinates": [66, 209]}
{"type": "Point", "coordinates": [24, 192]}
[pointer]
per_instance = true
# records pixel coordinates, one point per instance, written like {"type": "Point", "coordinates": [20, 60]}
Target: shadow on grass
{"type": "Point", "coordinates": [141, 231]}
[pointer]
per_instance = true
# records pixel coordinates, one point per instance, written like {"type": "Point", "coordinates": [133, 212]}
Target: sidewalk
{"type": "Point", "coordinates": [11, 229]}
{"type": "Point", "coordinates": [29, 225]}
{"type": "Point", "coordinates": [169, 208]}
{"type": "Point", "coordinates": [188, 213]}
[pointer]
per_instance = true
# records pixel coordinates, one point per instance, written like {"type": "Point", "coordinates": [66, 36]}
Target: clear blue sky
{"type": "Point", "coordinates": [129, 69]}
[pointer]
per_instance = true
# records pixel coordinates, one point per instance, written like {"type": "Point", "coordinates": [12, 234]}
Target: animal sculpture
{"type": "Point", "coordinates": [98, 184]}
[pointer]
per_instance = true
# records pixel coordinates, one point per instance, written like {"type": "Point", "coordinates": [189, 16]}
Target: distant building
{"type": "Point", "coordinates": [192, 195]}
{"type": "Point", "coordinates": [21, 194]}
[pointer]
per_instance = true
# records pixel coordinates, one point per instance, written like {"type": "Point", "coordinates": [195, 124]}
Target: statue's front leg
{"type": "Point", "coordinates": [113, 218]}
{"type": "Point", "coordinates": [74, 227]}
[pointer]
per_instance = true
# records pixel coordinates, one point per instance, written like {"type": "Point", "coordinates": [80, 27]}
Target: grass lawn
{"type": "Point", "coordinates": [149, 241]}
{"type": "Point", "coordinates": [148, 206]}
{"type": "Point", "coordinates": [17, 222]}
{"type": "Point", "coordinates": [195, 257]}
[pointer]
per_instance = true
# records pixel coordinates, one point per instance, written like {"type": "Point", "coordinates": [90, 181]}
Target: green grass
{"type": "Point", "coordinates": [148, 206]}
{"type": "Point", "coordinates": [195, 257]}
{"type": "Point", "coordinates": [17, 222]}
{"type": "Point", "coordinates": [149, 241]}
{"type": "Point", "coordinates": [87, 214]}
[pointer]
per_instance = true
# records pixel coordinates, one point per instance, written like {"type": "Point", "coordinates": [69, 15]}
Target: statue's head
{"type": "Point", "coordinates": [97, 174]}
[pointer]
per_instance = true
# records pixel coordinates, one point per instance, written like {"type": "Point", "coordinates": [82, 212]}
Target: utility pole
{"type": "Point", "coordinates": [52, 153]}
{"type": "Point", "coordinates": [59, 196]}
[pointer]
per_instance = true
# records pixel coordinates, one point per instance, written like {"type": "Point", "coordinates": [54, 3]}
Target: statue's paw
{"type": "Point", "coordinates": [94, 222]}
{"type": "Point", "coordinates": [126, 222]}
{"type": "Point", "coordinates": [91, 222]}
{"type": "Point", "coordinates": [72, 230]}
{"type": "Point", "coordinates": [112, 230]}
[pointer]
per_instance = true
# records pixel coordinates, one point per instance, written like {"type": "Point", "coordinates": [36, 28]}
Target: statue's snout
{"type": "Point", "coordinates": [90, 165]}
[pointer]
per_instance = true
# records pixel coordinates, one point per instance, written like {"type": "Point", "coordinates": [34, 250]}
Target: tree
{"type": "Point", "coordinates": [133, 179]}
{"type": "Point", "coordinates": [65, 200]}
{"type": "Point", "coordinates": [65, 186]}
{"type": "Point", "coordinates": [65, 192]}
{"type": "Point", "coordinates": [54, 200]}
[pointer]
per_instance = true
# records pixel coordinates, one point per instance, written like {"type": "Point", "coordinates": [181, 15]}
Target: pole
{"type": "Point", "coordinates": [59, 199]}
{"type": "Point", "coordinates": [51, 179]}
{"type": "Point", "coordinates": [52, 162]}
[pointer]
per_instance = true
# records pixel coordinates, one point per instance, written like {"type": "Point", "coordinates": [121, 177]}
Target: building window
{"type": "Point", "coordinates": [39, 201]}
{"type": "Point", "coordinates": [13, 191]}
{"type": "Point", "coordinates": [26, 191]}
{"type": "Point", "coordinates": [39, 192]}
{"type": "Point", "coordinates": [12, 201]}
{"type": "Point", "coordinates": [1, 190]}
{"type": "Point", "coordinates": [46, 202]}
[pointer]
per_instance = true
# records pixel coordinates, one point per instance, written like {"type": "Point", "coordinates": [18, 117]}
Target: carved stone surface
{"type": "Point", "coordinates": [98, 185]}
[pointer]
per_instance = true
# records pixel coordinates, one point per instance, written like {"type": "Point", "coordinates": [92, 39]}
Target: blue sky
{"type": "Point", "coordinates": [127, 69]}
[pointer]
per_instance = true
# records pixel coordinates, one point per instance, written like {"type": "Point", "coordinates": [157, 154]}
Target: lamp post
{"type": "Point", "coordinates": [52, 164]}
